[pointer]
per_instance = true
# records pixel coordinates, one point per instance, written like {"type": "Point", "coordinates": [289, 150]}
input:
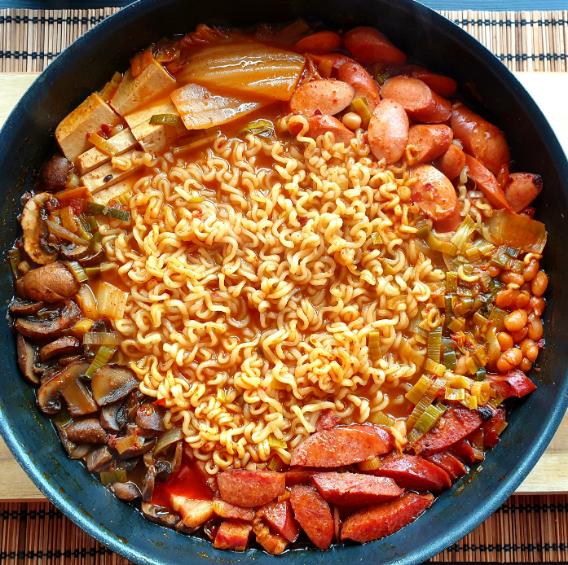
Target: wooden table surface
{"type": "Point", "coordinates": [550, 475]}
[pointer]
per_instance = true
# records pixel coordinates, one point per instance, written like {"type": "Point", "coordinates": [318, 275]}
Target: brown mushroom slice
{"type": "Point", "coordinates": [33, 228]}
{"type": "Point", "coordinates": [74, 252]}
{"type": "Point", "coordinates": [24, 308]}
{"type": "Point", "coordinates": [51, 283]}
{"type": "Point", "coordinates": [49, 328]}
{"type": "Point", "coordinates": [113, 417]}
{"type": "Point", "coordinates": [67, 384]}
{"type": "Point", "coordinates": [112, 383]}
{"type": "Point", "coordinates": [149, 417]}
{"type": "Point", "coordinates": [98, 459]}
{"type": "Point", "coordinates": [159, 515]}
{"type": "Point", "coordinates": [62, 346]}
{"type": "Point", "coordinates": [88, 430]}
{"type": "Point", "coordinates": [131, 445]}
{"type": "Point", "coordinates": [26, 359]}
{"type": "Point", "coordinates": [128, 491]}
{"type": "Point", "coordinates": [148, 483]}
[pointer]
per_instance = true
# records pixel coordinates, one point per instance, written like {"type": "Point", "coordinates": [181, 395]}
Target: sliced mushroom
{"type": "Point", "coordinates": [34, 229]}
{"type": "Point", "coordinates": [150, 418]}
{"type": "Point", "coordinates": [111, 383]}
{"type": "Point", "coordinates": [68, 359]}
{"type": "Point", "coordinates": [50, 283]}
{"type": "Point", "coordinates": [88, 430]}
{"type": "Point", "coordinates": [113, 417]}
{"type": "Point", "coordinates": [51, 327]}
{"type": "Point", "coordinates": [98, 459]}
{"type": "Point", "coordinates": [74, 252]}
{"type": "Point", "coordinates": [54, 173]}
{"type": "Point", "coordinates": [73, 450]}
{"type": "Point", "coordinates": [22, 308]}
{"type": "Point", "coordinates": [67, 384]}
{"type": "Point", "coordinates": [131, 445]}
{"type": "Point", "coordinates": [93, 259]}
{"type": "Point", "coordinates": [62, 346]}
{"type": "Point", "coordinates": [126, 491]}
{"type": "Point", "coordinates": [148, 483]}
{"type": "Point", "coordinates": [26, 359]}
{"type": "Point", "coordinates": [159, 514]}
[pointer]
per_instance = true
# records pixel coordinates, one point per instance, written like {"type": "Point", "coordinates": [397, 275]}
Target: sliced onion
{"type": "Point", "coordinates": [101, 338]}
{"type": "Point", "coordinates": [168, 438]}
{"type": "Point", "coordinates": [517, 230]}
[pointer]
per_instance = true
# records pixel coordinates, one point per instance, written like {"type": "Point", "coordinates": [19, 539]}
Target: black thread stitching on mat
{"type": "Point", "coordinates": [511, 23]}
{"type": "Point", "coordinates": [55, 553]}
{"type": "Point", "coordinates": [51, 20]}
{"type": "Point", "coordinates": [498, 547]}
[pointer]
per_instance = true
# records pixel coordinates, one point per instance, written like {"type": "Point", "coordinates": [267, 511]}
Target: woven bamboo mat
{"type": "Point", "coordinates": [527, 529]}
{"type": "Point", "coordinates": [524, 41]}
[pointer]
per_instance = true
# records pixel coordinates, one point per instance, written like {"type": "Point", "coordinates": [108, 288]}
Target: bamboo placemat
{"type": "Point", "coordinates": [524, 41]}
{"type": "Point", "coordinates": [527, 529]}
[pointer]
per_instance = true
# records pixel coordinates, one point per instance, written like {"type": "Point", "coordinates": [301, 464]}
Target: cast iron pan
{"type": "Point", "coordinates": [26, 140]}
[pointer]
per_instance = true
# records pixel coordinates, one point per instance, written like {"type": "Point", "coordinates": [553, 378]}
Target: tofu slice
{"type": "Point", "coordinates": [88, 117]}
{"type": "Point", "coordinates": [152, 137]}
{"type": "Point", "coordinates": [154, 81]}
{"type": "Point", "coordinates": [93, 157]}
{"type": "Point", "coordinates": [113, 192]}
{"type": "Point", "coordinates": [104, 176]}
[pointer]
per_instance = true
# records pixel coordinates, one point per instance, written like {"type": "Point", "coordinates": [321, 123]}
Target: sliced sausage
{"type": "Point", "coordinates": [414, 472]}
{"type": "Point", "coordinates": [482, 139]}
{"type": "Point", "coordinates": [412, 94]}
{"type": "Point", "coordinates": [522, 189]}
{"type": "Point", "coordinates": [450, 223]}
{"type": "Point", "coordinates": [493, 427]}
{"type": "Point", "coordinates": [370, 46]}
{"type": "Point", "coordinates": [514, 384]}
{"type": "Point", "coordinates": [313, 514]}
{"type": "Point", "coordinates": [385, 519]}
{"type": "Point", "coordinates": [452, 162]}
{"type": "Point", "coordinates": [456, 424]}
{"type": "Point", "coordinates": [300, 476]}
{"type": "Point", "coordinates": [250, 488]}
{"type": "Point", "coordinates": [441, 84]}
{"type": "Point", "coordinates": [230, 511]}
{"type": "Point", "coordinates": [279, 517]}
{"type": "Point", "coordinates": [433, 192]}
{"type": "Point", "coordinates": [272, 543]}
{"type": "Point", "coordinates": [429, 142]}
{"type": "Point", "coordinates": [450, 463]}
{"type": "Point", "coordinates": [388, 131]}
{"type": "Point", "coordinates": [359, 78]}
{"type": "Point", "coordinates": [323, 123]}
{"type": "Point", "coordinates": [355, 489]}
{"type": "Point", "coordinates": [464, 451]}
{"type": "Point", "coordinates": [328, 96]}
{"type": "Point", "coordinates": [440, 110]}
{"type": "Point", "coordinates": [485, 180]}
{"type": "Point", "coordinates": [341, 446]}
{"type": "Point", "coordinates": [233, 535]}
{"type": "Point", "coordinates": [319, 42]}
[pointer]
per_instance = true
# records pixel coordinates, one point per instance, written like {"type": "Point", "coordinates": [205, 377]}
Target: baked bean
{"type": "Point", "coordinates": [493, 271]}
{"type": "Point", "coordinates": [509, 360]}
{"type": "Point", "coordinates": [516, 320]}
{"type": "Point", "coordinates": [520, 335]}
{"type": "Point", "coordinates": [351, 120]}
{"type": "Point", "coordinates": [505, 341]}
{"type": "Point", "coordinates": [529, 349]}
{"type": "Point", "coordinates": [525, 365]}
{"type": "Point", "coordinates": [531, 270]}
{"type": "Point", "coordinates": [539, 284]}
{"type": "Point", "coordinates": [522, 300]}
{"type": "Point", "coordinates": [505, 298]}
{"type": "Point", "coordinates": [536, 330]}
{"type": "Point", "coordinates": [513, 279]}
{"type": "Point", "coordinates": [537, 305]}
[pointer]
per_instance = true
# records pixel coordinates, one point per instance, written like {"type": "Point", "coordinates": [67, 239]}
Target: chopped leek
{"type": "Point", "coordinates": [435, 368]}
{"type": "Point", "coordinates": [421, 407]}
{"type": "Point", "coordinates": [276, 443]}
{"type": "Point", "coordinates": [427, 420]}
{"type": "Point", "coordinates": [361, 106]}
{"type": "Point", "coordinates": [512, 252]}
{"type": "Point", "coordinates": [371, 464]}
{"type": "Point", "coordinates": [456, 325]}
{"type": "Point", "coordinates": [261, 127]}
{"type": "Point", "coordinates": [62, 233]}
{"type": "Point", "coordinates": [77, 271]}
{"type": "Point", "coordinates": [449, 310]}
{"type": "Point", "coordinates": [457, 394]}
{"type": "Point", "coordinates": [435, 344]}
{"type": "Point", "coordinates": [382, 76]}
{"type": "Point", "coordinates": [423, 229]}
{"type": "Point", "coordinates": [168, 438]}
{"type": "Point", "coordinates": [419, 389]}
{"type": "Point", "coordinates": [103, 356]}
{"type": "Point", "coordinates": [275, 464]}
{"type": "Point", "coordinates": [463, 233]}
{"type": "Point", "coordinates": [497, 318]}
{"type": "Point", "coordinates": [462, 305]}
{"type": "Point", "coordinates": [101, 338]}
{"type": "Point", "coordinates": [166, 120]}
{"type": "Point", "coordinates": [116, 476]}
{"type": "Point", "coordinates": [381, 419]}
{"type": "Point", "coordinates": [480, 374]}
{"type": "Point", "coordinates": [501, 259]}
{"type": "Point", "coordinates": [479, 319]}
{"type": "Point", "coordinates": [374, 346]}
{"type": "Point", "coordinates": [82, 327]}
{"type": "Point", "coordinates": [450, 360]}
{"type": "Point", "coordinates": [116, 213]}
{"type": "Point", "coordinates": [480, 355]}
{"type": "Point", "coordinates": [452, 281]}
{"type": "Point", "coordinates": [445, 247]}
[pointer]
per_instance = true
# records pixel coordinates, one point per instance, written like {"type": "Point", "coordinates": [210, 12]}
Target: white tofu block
{"type": "Point", "coordinates": [113, 192]}
{"type": "Point", "coordinates": [161, 106]}
{"type": "Point", "coordinates": [93, 157]}
{"type": "Point", "coordinates": [88, 117]}
{"type": "Point", "coordinates": [132, 93]}
{"type": "Point", "coordinates": [104, 176]}
{"type": "Point", "coordinates": [154, 138]}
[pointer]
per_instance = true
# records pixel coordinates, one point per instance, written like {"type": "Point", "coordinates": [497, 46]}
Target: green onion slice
{"type": "Point", "coordinates": [103, 356]}
{"type": "Point", "coordinates": [116, 213]}
{"type": "Point", "coordinates": [116, 476]}
{"type": "Point", "coordinates": [101, 338]}
{"type": "Point", "coordinates": [165, 120]}
{"type": "Point", "coordinates": [419, 389]}
{"type": "Point", "coordinates": [434, 344]}
{"type": "Point", "coordinates": [260, 127]}
{"type": "Point", "coordinates": [427, 420]}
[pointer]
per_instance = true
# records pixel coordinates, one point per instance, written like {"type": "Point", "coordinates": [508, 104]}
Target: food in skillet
{"type": "Point", "coordinates": [279, 286]}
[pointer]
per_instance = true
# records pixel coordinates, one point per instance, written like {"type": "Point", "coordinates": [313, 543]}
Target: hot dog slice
{"type": "Point", "coordinates": [323, 123]}
{"type": "Point", "coordinates": [456, 424]}
{"type": "Point", "coordinates": [441, 84]}
{"type": "Point", "coordinates": [319, 42]}
{"type": "Point", "coordinates": [493, 427]}
{"type": "Point", "coordinates": [522, 189]}
{"type": "Point", "coordinates": [464, 451]}
{"type": "Point", "coordinates": [233, 535]}
{"type": "Point", "coordinates": [343, 445]}
{"type": "Point", "coordinates": [514, 384]}
{"type": "Point", "coordinates": [250, 488]}
{"type": "Point", "coordinates": [355, 489]}
{"type": "Point", "coordinates": [300, 476]}
{"type": "Point", "coordinates": [313, 514]}
{"type": "Point", "coordinates": [388, 131]}
{"type": "Point", "coordinates": [370, 46]}
{"type": "Point", "coordinates": [414, 472]}
{"type": "Point", "coordinates": [486, 182]}
{"type": "Point", "coordinates": [412, 94]}
{"type": "Point", "coordinates": [451, 162]}
{"type": "Point", "coordinates": [450, 463]}
{"type": "Point", "coordinates": [278, 516]}
{"type": "Point", "coordinates": [230, 511]}
{"type": "Point", "coordinates": [429, 142]}
{"type": "Point", "coordinates": [450, 223]}
{"type": "Point", "coordinates": [328, 96]}
{"type": "Point", "coordinates": [387, 518]}
{"type": "Point", "coordinates": [433, 192]}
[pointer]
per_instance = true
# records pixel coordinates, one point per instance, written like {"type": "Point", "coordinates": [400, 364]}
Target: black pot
{"type": "Point", "coordinates": [26, 141]}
